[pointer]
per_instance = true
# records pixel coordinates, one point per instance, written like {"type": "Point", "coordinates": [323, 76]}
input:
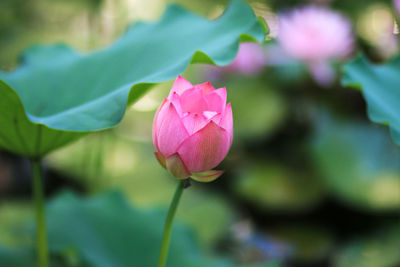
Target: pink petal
{"type": "Point", "coordinates": [206, 148]}
{"type": "Point", "coordinates": [194, 122]}
{"type": "Point", "coordinates": [175, 99]}
{"type": "Point", "coordinates": [176, 166]}
{"type": "Point", "coordinates": [155, 124]}
{"type": "Point", "coordinates": [210, 114]}
{"type": "Point", "coordinates": [180, 85]}
{"type": "Point", "coordinates": [216, 100]}
{"type": "Point", "coordinates": [193, 101]}
{"type": "Point", "coordinates": [227, 121]}
{"type": "Point", "coordinates": [171, 132]}
{"type": "Point", "coordinates": [216, 118]}
{"type": "Point", "coordinates": [205, 87]}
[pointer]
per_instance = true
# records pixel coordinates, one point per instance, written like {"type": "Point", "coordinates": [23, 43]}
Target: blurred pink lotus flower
{"type": "Point", "coordinates": [397, 5]}
{"type": "Point", "coordinates": [316, 36]}
{"type": "Point", "coordinates": [193, 130]}
{"type": "Point", "coordinates": [250, 60]}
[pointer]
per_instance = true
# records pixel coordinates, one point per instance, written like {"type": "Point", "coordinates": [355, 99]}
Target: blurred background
{"type": "Point", "coordinates": [309, 181]}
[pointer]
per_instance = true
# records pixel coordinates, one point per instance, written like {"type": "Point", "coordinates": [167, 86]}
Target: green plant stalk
{"type": "Point", "coordinates": [168, 225]}
{"type": "Point", "coordinates": [40, 216]}
{"type": "Point", "coordinates": [98, 182]}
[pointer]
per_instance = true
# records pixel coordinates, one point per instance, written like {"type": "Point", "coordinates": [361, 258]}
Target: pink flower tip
{"type": "Point", "coordinates": [193, 130]}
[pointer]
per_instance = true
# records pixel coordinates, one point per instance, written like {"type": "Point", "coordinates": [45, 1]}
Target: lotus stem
{"type": "Point", "coordinates": [40, 216]}
{"type": "Point", "coordinates": [169, 222]}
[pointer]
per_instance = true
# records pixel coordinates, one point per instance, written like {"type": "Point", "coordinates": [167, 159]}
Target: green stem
{"type": "Point", "coordinates": [40, 217]}
{"type": "Point", "coordinates": [168, 225]}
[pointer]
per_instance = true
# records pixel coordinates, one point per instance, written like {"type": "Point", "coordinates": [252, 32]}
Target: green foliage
{"type": "Point", "coordinates": [132, 167]}
{"type": "Point", "coordinates": [269, 185]}
{"type": "Point", "coordinates": [106, 231]}
{"type": "Point", "coordinates": [359, 163]}
{"type": "Point", "coordinates": [265, 114]}
{"type": "Point", "coordinates": [14, 231]}
{"type": "Point", "coordinates": [380, 86]}
{"type": "Point", "coordinates": [16, 258]}
{"type": "Point", "coordinates": [378, 250]}
{"type": "Point", "coordinates": [111, 233]}
{"type": "Point", "coordinates": [58, 93]}
{"type": "Point", "coordinates": [310, 242]}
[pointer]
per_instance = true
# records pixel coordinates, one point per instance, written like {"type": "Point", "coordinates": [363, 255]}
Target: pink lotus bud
{"type": "Point", "coordinates": [193, 130]}
{"type": "Point", "coordinates": [315, 34]}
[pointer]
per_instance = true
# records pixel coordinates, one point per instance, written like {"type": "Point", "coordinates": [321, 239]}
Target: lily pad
{"type": "Point", "coordinates": [105, 230]}
{"type": "Point", "coordinates": [58, 94]}
{"type": "Point", "coordinates": [358, 162]}
{"type": "Point", "coordinates": [380, 86]}
{"type": "Point", "coordinates": [16, 257]}
{"type": "Point", "coordinates": [110, 232]}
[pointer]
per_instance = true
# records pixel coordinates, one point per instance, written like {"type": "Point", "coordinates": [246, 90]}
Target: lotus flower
{"type": "Point", "coordinates": [250, 60]}
{"type": "Point", "coordinates": [397, 5]}
{"type": "Point", "coordinates": [316, 35]}
{"type": "Point", "coordinates": [193, 130]}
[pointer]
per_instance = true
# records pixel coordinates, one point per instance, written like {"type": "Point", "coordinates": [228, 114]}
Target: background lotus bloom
{"type": "Point", "coordinates": [316, 35]}
{"type": "Point", "coordinates": [193, 130]}
{"type": "Point", "coordinates": [397, 5]}
{"type": "Point", "coordinates": [250, 60]}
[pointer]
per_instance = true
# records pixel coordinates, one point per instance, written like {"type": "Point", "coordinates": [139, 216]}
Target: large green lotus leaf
{"type": "Point", "coordinates": [57, 93]}
{"type": "Point", "coordinates": [106, 231]}
{"type": "Point", "coordinates": [358, 162]}
{"type": "Point", "coordinates": [380, 86]}
{"type": "Point", "coordinates": [16, 257]}
{"type": "Point", "coordinates": [22, 257]}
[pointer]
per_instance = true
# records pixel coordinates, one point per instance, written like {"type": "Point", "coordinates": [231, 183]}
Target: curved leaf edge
{"type": "Point", "coordinates": [137, 90]}
{"type": "Point", "coordinates": [346, 82]}
{"type": "Point", "coordinates": [20, 122]}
